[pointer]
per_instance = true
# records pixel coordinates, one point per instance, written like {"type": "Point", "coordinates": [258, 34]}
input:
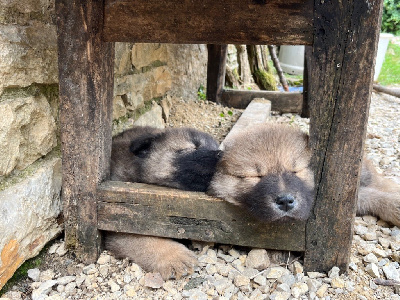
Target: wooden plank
{"type": "Point", "coordinates": [86, 67]}
{"type": "Point", "coordinates": [209, 21]}
{"type": "Point", "coordinates": [160, 211]}
{"type": "Point", "coordinates": [283, 102]}
{"type": "Point", "coordinates": [341, 70]}
{"type": "Point", "coordinates": [216, 71]}
{"type": "Point", "coordinates": [257, 112]}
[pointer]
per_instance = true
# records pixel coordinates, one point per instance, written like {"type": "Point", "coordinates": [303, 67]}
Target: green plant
{"type": "Point", "coordinates": [391, 17]}
{"type": "Point", "coordinates": [390, 73]}
{"type": "Point", "coordinates": [201, 93]}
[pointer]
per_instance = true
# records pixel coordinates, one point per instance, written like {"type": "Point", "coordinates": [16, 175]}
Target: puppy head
{"type": "Point", "coordinates": [183, 158]}
{"type": "Point", "coordinates": [266, 170]}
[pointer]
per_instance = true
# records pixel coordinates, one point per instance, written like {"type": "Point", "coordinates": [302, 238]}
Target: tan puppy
{"type": "Point", "coordinates": [265, 169]}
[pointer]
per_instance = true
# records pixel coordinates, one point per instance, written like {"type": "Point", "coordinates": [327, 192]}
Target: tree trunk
{"type": "Point", "coordinates": [259, 68]}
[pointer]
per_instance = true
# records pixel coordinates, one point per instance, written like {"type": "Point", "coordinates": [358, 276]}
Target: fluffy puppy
{"type": "Point", "coordinates": [181, 158]}
{"type": "Point", "coordinates": [265, 169]}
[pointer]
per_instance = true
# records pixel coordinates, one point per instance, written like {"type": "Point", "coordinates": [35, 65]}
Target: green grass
{"type": "Point", "coordinates": [390, 73]}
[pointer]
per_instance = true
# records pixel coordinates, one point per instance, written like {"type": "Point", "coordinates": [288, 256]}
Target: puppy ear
{"type": "Point", "coordinates": [141, 146]}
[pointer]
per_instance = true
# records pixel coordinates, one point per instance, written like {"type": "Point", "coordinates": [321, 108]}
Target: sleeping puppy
{"type": "Point", "coordinates": [264, 169]}
{"type": "Point", "coordinates": [181, 158]}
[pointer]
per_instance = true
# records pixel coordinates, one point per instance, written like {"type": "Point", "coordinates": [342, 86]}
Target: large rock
{"type": "Point", "coordinates": [153, 117]}
{"type": "Point", "coordinates": [28, 212]}
{"type": "Point", "coordinates": [27, 130]}
{"type": "Point", "coordinates": [153, 70]}
{"type": "Point", "coordinates": [28, 54]}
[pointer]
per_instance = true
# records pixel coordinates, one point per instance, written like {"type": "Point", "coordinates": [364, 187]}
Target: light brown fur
{"type": "Point", "coordinates": [153, 254]}
{"type": "Point", "coordinates": [378, 196]}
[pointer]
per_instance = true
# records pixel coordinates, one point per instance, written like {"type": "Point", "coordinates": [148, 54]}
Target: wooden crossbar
{"type": "Point", "coordinates": [209, 21]}
{"type": "Point", "coordinates": [159, 211]}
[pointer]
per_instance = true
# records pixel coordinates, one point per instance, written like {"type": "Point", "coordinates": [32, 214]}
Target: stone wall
{"type": "Point", "coordinates": [147, 78]}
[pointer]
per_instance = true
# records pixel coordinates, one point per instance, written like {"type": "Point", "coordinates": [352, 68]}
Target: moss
{"type": "Point", "coordinates": [266, 80]}
{"type": "Point", "coordinates": [153, 65]}
{"type": "Point", "coordinates": [50, 91]}
{"type": "Point", "coordinates": [22, 271]}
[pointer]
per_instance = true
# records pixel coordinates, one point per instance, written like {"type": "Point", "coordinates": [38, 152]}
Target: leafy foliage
{"type": "Point", "coordinates": [201, 93]}
{"type": "Point", "coordinates": [391, 17]}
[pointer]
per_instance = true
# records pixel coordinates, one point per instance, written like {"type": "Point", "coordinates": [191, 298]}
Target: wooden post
{"type": "Point", "coordinates": [216, 71]}
{"type": "Point", "coordinates": [86, 67]}
{"type": "Point", "coordinates": [341, 70]}
{"type": "Point", "coordinates": [305, 111]}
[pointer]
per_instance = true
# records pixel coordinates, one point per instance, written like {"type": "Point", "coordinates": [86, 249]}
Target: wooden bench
{"type": "Point", "coordinates": [341, 39]}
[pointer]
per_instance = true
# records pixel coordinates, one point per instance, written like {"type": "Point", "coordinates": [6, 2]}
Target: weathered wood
{"type": "Point", "coordinates": [280, 101]}
{"type": "Point", "coordinates": [341, 69]}
{"type": "Point", "coordinates": [305, 112]}
{"type": "Point", "coordinates": [216, 71]}
{"type": "Point", "coordinates": [257, 112]}
{"type": "Point", "coordinates": [209, 21]}
{"type": "Point", "coordinates": [86, 67]}
{"type": "Point", "coordinates": [160, 211]}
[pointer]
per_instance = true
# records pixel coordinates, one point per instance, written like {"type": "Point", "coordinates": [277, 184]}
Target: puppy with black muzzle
{"type": "Point", "coordinates": [265, 169]}
{"type": "Point", "coordinates": [181, 158]}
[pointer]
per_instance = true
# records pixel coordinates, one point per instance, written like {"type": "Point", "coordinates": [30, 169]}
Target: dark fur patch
{"type": "Point", "coordinates": [195, 169]}
{"type": "Point", "coordinates": [261, 199]}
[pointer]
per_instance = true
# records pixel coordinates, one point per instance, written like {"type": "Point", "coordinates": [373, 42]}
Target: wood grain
{"type": "Point", "coordinates": [86, 67]}
{"type": "Point", "coordinates": [209, 22]}
{"type": "Point", "coordinates": [341, 65]}
{"type": "Point", "coordinates": [160, 211]}
{"type": "Point", "coordinates": [280, 101]}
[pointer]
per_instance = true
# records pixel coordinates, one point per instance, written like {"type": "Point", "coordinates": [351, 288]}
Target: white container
{"type": "Point", "coordinates": [384, 39]}
{"type": "Point", "coordinates": [291, 59]}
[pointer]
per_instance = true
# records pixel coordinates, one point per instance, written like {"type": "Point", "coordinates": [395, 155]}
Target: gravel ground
{"type": "Point", "coordinates": [227, 272]}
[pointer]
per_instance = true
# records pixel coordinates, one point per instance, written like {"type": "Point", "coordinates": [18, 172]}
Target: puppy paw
{"type": "Point", "coordinates": [174, 261]}
{"type": "Point", "coordinates": [393, 213]}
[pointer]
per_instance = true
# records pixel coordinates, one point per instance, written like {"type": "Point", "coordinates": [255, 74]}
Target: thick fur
{"type": "Point", "coordinates": [153, 254]}
{"type": "Point", "coordinates": [268, 162]}
{"type": "Point", "coordinates": [181, 158]}
{"type": "Point", "coordinates": [265, 169]}
{"type": "Point", "coordinates": [263, 164]}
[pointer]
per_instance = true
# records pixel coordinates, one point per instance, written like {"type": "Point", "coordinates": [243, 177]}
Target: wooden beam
{"type": "Point", "coordinates": [257, 112]}
{"type": "Point", "coordinates": [86, 67]}
{"type": "Point", "coordinates": [159, 211]}
{"type": "Point", "coordinates": [341, 69]}
{"type": "Point", "coordinates": [274, 22]}
{"type": "Point", "coordinates": [216, 71]}
{"type": "Point", "coordinates": [283, 102]}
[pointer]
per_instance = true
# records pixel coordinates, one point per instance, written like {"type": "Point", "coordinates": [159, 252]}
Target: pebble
{"type": "Point", "coordinates": [275, 272]}
{"type": "Point", "coordinates": [391, 272]}
{"type": "Point", "coordinates": [104, 259]}
{"type": "Point", "coordinates": [298, 289]}
{"type": "Point", "coordinates": [153, 280]}
{"type": "Point", "coordinates": [334, 272]}
{"type": "Point", "coordinates": [373, 270]}
{"type": "Point", "coordinates": [257, 259]}
{"type": "Point", "coordinates": [34, 274]}
{"type": "Point", "coordinates": [371, 258]}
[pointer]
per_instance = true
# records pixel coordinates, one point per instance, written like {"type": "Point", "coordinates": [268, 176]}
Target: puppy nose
{"type": "Point", "coordinates": [285, 202]}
